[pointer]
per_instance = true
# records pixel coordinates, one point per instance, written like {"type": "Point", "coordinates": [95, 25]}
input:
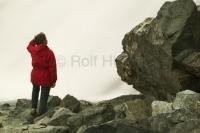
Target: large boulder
{"type": "Point", "coordinates": [55, 117]}
{"type": "Point", "coordinates": [53, 101]}
{"type": "Point", "coordinates": [90, 116]}
{"type": "Point", "coordinates": [187, 99]}
{"type": "Point", "coordinates": [135, 110]}
{"type": "Point", "coordinates": [164, 123]}
{"type": "Point", "coordinates": [134, 107]}
{"type": "Point", "coordinates": [20, 113]}
{"type": "Point", "coordinates": [71, 103]}
{"type": "Point", "coordinates": [182, 115]}
{"type": "Point", "coordinates": [23, 104]}
{"type": "Point", "coordinates": [160, 55]}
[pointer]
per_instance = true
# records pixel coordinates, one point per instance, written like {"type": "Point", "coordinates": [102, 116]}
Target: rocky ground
{"type": "Point", "coordinates": [160, 58]}
{"type": "Point", "coordinates": [125, 114]}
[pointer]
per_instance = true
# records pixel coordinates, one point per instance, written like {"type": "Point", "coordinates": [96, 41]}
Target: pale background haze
{"type": "Point", "coordinates": [75, 29]}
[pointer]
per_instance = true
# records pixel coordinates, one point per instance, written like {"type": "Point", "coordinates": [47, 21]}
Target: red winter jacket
{"type": "Point", "coordinates": [44, 70]}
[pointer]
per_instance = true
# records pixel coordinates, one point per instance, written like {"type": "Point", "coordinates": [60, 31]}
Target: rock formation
{"type": "Point", "coordinates": [160, 59]}
{"type": "Point", "coordinates": [161, 55]}
{"type": "Point", "coordinates": [125, 114]}
{"type": "Point", "coordinates": [63, 117]}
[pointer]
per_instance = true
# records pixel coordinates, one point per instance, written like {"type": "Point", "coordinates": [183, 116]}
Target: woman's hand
{"type": "Point", "coordinates": [54, 84]}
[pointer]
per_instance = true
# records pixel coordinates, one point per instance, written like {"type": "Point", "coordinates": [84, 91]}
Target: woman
{"type": "Point", "coordinates": [43, 74]}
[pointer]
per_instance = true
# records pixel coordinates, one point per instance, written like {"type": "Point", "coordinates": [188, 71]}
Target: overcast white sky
{"type": "Point", "coordinates": [80, 32]}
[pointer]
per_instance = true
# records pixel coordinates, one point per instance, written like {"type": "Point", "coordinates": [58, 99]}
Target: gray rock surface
{"type": "Point", "coordinates": [55, 117]}
{"type": "Point", "coordinates": [121, 99]}
{"type": "Point", "coordinates": [125, 114]}
{"type": "Point", "coordinates": [85, 104]}
{"type": "Point", "coordinates": [186, 99]}
{"type": "Point", "coordinates": [160, 55]}
{"type": "Point", "coordinates": [166, 123]}
{"type": "Point", "coordinates": [71, 103]}
{"type": "Point", "coordinates": [62, 119]}
{"type": "Point", "coordinates": [182, 115]}
{"type": "Point", "coordinates": [91, 115]}
{"type": "Point", "coordinates": [192, 126]}
{"type": "Point", "coordinates": [161, 107]}
{"type": "Point", "coordinates": [134, 109]}
{"type": "Point", "coordinates": [36, 129]}
{"type": "Point", "coordinates": [115, 126]}
{"type": "Point", "coordinates": [23, 104]}
{"type": "Point", "coordinates": [53, 101]}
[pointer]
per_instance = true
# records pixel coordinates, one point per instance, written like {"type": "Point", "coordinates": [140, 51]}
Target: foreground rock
{"type": "Point", "coordinates": [71, 103]}
{"type": "Point", "coordinates": [161, 107]}
{"type": "Point", "coordinates": [62, 119]}
{"type": "Point", "coordinates": [186, 99]}
{"type": "Point", "coordinates": [125, 114]}
{"type": "Point", "coordinates": [161, 55]}
{"type": "Point", "coordinates": [35, 129]}
{"type": "Point", "coordinates": [115, 126]}
{"type": "Point", "coordinates": [90, 116]}
{"type": "Point", "coordinates": [182, 118]}
{"type": "Point", "coordinates": [55, 117]}
{"type": "Point", "coordinates": [135, 110]}
{"type": "Point", "coordinates": [54, 101]}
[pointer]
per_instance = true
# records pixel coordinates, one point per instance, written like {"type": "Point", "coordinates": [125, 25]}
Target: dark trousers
{"type": "Point", "coordinates": [43, 98]}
